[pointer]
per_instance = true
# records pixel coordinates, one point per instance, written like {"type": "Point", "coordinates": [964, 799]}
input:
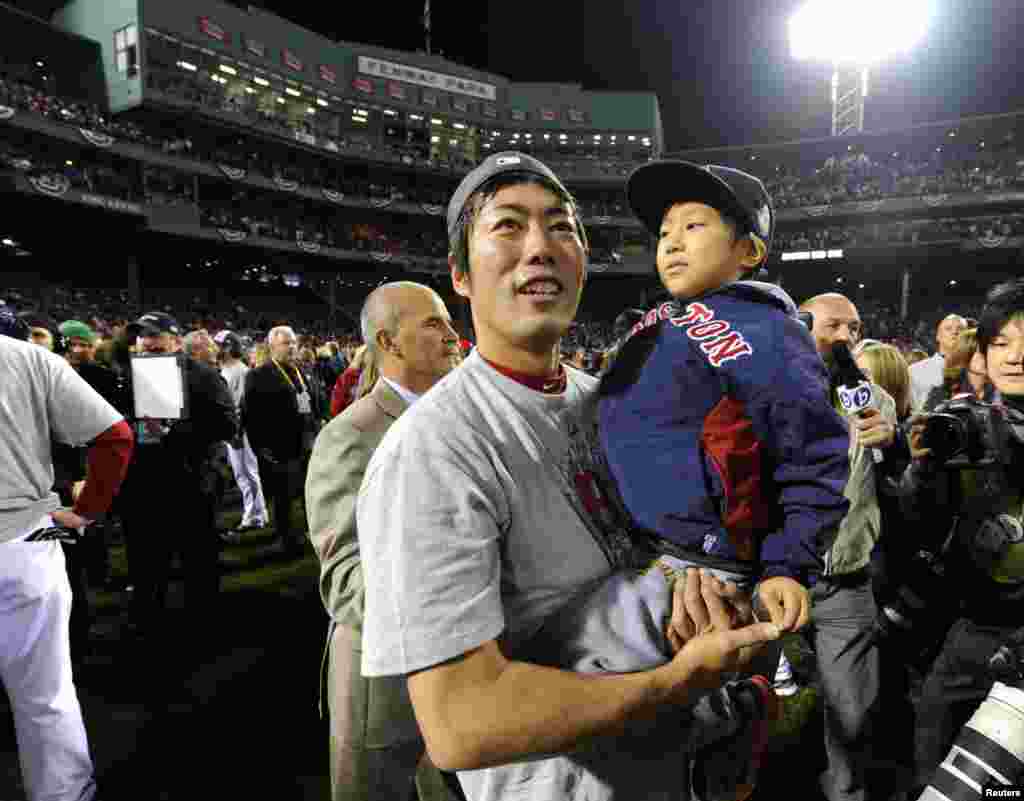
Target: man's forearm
{"type": "Point", "coordinates": [518, 711]}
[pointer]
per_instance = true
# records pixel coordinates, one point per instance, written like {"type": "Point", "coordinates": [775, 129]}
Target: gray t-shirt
{"type": "Point", "coordinates": [234, 375]}
{"type": "Point", "coordinates": [483, 511]}
{"type": "Point", "coordinates": [39, 393]}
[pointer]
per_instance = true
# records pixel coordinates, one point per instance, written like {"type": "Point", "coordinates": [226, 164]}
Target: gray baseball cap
{"type": "Point", "coordinates": [506, 161]}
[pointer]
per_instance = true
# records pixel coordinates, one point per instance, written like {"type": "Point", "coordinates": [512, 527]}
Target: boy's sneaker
{"type": "Point", "coordinates": [785, 682]}
{"type": "Point", "coordinates": [727, 770]}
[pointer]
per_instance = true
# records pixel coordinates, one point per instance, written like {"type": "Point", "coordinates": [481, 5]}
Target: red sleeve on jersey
{"type": "Point", "coordinates": [109, 456]}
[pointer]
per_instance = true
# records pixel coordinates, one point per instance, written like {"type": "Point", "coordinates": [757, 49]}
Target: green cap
{"type": "Point", "coordinates": [76, 328]}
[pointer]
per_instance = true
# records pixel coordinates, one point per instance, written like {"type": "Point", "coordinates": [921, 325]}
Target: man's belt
{"type": "Point", "coordinates": [70, 536]}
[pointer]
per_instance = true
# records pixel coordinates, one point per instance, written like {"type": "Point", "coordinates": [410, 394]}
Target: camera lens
{"type": "Point", "coordinates": [944, 435]}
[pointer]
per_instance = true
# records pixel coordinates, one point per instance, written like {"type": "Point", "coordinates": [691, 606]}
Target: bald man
{"type": "Point", "coordinates": [927, 374]}
{"type": "Point", "coordinates": [843, 609]}
{"type": "Point", "coordinates": [375, 743]}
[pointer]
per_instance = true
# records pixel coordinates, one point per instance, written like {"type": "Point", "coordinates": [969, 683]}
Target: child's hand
{"type": "Point", "coordinates": [787, 602]}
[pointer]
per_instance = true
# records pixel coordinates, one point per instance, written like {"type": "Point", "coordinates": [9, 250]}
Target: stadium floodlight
{"type": "Point", "coordinates": [853, 36]}
{"type": "Point", "coordinates": [228, 70]}
{"type": "Point", "coordinates": [260, 81]}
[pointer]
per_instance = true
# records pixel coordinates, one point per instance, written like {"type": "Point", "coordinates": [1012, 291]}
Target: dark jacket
{"type": "Point", "coordinates": [270, 413]}
{"type": "Point", "coordinates": [211, 418]}
{"type": "Point", "coordinates": [716, 422]}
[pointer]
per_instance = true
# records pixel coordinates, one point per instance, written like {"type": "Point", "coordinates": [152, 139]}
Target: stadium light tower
{"type": "Point", "coordinates": [853, 36]}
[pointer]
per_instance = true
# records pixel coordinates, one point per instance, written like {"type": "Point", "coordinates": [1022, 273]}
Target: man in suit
{"type": "Point", "coordinates": [375, 741]}
{"type": "Point", "coordinates": [281, 419]}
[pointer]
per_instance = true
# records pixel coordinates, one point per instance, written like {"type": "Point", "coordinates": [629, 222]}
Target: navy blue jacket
{"type": "Point", "coordinates": [716, 423]}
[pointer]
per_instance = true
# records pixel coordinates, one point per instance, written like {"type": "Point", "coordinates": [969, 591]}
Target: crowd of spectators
{"type": "Point", "coordinates": [901, 232]}
{"type": "Point", "coordinates": [860, 177]}
{"type": "Point", "coordinates": [851, 177]}
{"type": "Point", "coordinates": [107, 311]}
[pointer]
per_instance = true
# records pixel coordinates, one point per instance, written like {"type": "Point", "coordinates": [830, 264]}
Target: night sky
{"type": "Point", "coordinates": [721, 68]}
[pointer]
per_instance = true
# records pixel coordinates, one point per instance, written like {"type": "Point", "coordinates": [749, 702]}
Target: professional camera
{"type": "Point", "coordinates": [915, 604]}
{"type": "Point", "coordinates": [966, 432]}
{"type": "Point", "coordinates": [916, 608]}
{"type": "Point", "coordinates": [989, 752]}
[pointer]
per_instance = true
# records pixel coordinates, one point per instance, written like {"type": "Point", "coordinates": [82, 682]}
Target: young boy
{"type": "Point", "coordinates": [714, 416]}
{"type": "Point", "coordinates": [715, 423]}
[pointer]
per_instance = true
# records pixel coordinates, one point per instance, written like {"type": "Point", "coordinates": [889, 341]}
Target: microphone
{"type": "Point", "coordinates": [854, 390]}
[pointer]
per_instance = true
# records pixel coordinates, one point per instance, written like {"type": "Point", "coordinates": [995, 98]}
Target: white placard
{"type": "Point", "coordinates": [158, 386]}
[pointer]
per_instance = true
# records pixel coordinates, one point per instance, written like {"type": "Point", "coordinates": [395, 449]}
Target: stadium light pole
{"type": "Point", "coordinates": [854, 36]}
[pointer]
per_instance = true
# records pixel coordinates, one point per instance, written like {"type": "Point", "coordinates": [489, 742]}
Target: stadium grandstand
{"type": "Point", "coordinates": [222, 164]}
{"type": "Point", "coordinates": [203, 156]}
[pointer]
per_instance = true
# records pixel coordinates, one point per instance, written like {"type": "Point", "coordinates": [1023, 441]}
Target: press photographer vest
{"type": "Point", "coordinates": [993, 497]}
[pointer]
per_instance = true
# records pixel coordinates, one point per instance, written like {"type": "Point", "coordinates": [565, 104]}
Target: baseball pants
{"type": "Point", "coordinates": [247, 476]}
{"type": "Point", "coordinates": [35, 666]}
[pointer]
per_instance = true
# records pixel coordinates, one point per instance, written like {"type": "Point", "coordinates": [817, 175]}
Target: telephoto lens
{"type": "Point", "coordinates": [989, 752]}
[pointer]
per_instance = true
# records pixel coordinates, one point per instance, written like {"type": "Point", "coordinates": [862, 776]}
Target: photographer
{"type": "Point", "coordinates": [964, 489]}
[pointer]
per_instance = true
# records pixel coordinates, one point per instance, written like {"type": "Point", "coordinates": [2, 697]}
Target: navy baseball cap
{"type": "Point", "coordinates": [652, 189]}
{"type": "Point", "coordinates": [154, 324]}
{"type": "Point", "coordinates": [11, 325]}
{"type": "Point", "coordinates": [506, 161]}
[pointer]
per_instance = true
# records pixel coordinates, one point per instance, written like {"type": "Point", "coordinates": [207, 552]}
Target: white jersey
{"type": "Point", "coordinates": [234, 375]}
{"type": "Point", "coordinates": [39, 393]}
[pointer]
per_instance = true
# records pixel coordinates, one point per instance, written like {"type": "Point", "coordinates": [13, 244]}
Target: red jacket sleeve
{"type": "Point", "coordinates": [108, 460]}
{"type": "Point", "coordinates": [344, 388]}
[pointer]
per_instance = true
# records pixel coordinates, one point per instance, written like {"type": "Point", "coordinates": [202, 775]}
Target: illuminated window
{"type": "Point", "coordinates": [126, 50]}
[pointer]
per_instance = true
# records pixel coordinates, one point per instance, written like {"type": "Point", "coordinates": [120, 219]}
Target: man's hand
{"type": "Point", "coordinates": [873, 430]}
{"type": "Point", "coordinates": [917, 449]}
{"type": "Point", "coordinates": [68, 519]}
{"type": "Point", "coordinates": [690, 614]}
{"type": "Point", "coordinates": [787, 602]}
{"type": "Point", "coordinates": [720, 647]}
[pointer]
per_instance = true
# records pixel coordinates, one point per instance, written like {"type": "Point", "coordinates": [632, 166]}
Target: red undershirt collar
{"type": "Point", "coordinates": [549, 385]}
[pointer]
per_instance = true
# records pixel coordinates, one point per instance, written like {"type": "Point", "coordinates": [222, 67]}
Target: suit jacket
{"type": "Point", "coordinates": [340, 456]}
{"type": "Point", "coordinates": [270, 413]}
